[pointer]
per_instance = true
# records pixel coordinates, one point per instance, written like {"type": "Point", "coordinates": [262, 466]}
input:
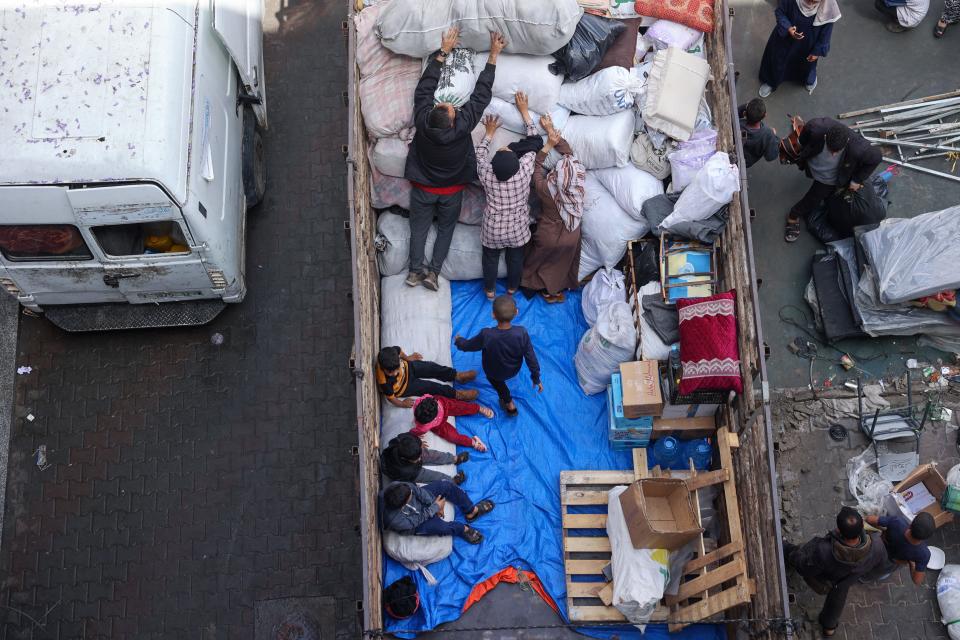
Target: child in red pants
{"type": "Point", "coordinates": [430, 413]}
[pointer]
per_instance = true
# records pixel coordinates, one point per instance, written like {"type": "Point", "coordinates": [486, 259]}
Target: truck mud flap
{"type": "Point", "coordinates": [110, 317]}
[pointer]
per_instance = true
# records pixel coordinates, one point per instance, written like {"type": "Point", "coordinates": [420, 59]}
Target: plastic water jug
{"type": "Point", "coordinates": [666, 452]}
{"type": "Point", "coordinates": [700, 451]}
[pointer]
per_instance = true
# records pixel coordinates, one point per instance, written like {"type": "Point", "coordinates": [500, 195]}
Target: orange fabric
{"type": "Point", "coordinates": [511, 575]}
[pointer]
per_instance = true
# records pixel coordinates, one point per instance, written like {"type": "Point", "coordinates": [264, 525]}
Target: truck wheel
{"type": "Point", "coordinates": [253, 160]}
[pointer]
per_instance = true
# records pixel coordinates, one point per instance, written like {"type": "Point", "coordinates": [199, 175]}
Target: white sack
{"type": "Point", "coordinates": [386, 99]}
{"type": "Point", "coordinates": [664, 34]}
{"type": "Point", "coordinates": [598, 141]}
{"type": "Point", "coordinates": [604, 289]}
{"type": "Point", "coordinates": [463, 260]}
{"type": "Point", "coordinates": [511, 121]}
{"type": "Point", "coordinates": [604, 346]}
{"type": "Point", "coordinates": [605, 229]}
{"type": "Point", "coordinates": [630, 187]}
{"type": "Point", "coordinates": [472, 206]}
{"type": "Point", "coordinates": [415, 319]}
{"type": "Point", "coordinates": [371, 56]}
{"type": "Point", "coordinates": [651, 346]}
{"type": "Point", "coordinates": [457, 77]}
{"type": "Point", "coordinates": [948, 597]}
{"type": "Point", "coordinates": [529, 74]}
{"type": "Point", "coordinates": [675, 88]}
{"type": "Point", "coordinates": [389, 156]}
{"type": "Point", "coordinates": [602, 93]}
{"type": "Point", "coordinates": [415, 27]}
{"type": "Point", "coordinates": [690, 156]}
{"type": "Point", "coordinates": [501, 138]}
{"type": "Point", "coordinates": [712, 188]}
{"type": "Point", "coordinates": [640, 576]}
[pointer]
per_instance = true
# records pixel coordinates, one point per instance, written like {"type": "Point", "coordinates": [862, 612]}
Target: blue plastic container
{"type": "Point", "coordinates": [666, 453]}
{"type": "Point", "coordinates": [700, 451]}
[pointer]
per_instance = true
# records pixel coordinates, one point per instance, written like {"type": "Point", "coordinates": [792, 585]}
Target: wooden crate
{"type": "Point", "coordinates": [714, 581]}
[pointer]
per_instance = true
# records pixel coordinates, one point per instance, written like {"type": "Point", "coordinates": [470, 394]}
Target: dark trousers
{"type": "Point", "coordinates": [423, 208]}
{"type": "Point", "coordinates": [503, 391]}
{"type": "Point", "coordinates": [836, 598]}
{"type": "Point", "coordinates": [437, 526]}
{"type": "Point", "coordinates": [491, 259]}
{"type": "Point", "coordinates": [816, 194]}
{"type": "Point", "coordinates": [420, 369]}
{"type": "Point", "coordinates": [890, 12]}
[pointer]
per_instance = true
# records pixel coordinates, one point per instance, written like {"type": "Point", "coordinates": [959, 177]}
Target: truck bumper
{"type": "Point", "coordinates": [110, 317]}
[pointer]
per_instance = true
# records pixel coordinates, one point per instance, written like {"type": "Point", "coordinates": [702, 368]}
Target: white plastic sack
{"type": "Point", "coordinates": [511, 121]}
{"type": "Point", "coordinates": [415, 27]}
{"type": "Point", "coordinates": [463, 260]}
{"type": "Point", "coordinates": [416, 319]}
{"type": "Point", "coordinates": [640, 576]}
{"type": "Point", "coordinates": [389, 156]}
{"type": "Point", "coordinates": [501, 137]}
{"type": "Point", "coordinates": [604, 289]}
{"type": "Point", "coordinates": [690, 156]}
{"type": "Point", "coordinates": [677, 82]}
{"type": "Point", "coordinates": [386, 99]}
{"type": "Point", "coordinates": [664, 34]}
{"type": "Point", "coordinates": [608, 343]}
{"type": "Point", "coordinates": [948, 597]}
{"type": "Point", "coordinates": [598, 141]}
{"type": "Point", "coordinates": [472, 206]}
{"type": "Point", "coordinates": [529, 74]}
{"type": "Point", "coordinates": [712, 188]}
{"type": "Point", "coordinates": [457, 77]}
{"type": "Point", "coordinates": [630, 187]}
{"type": "Point", "coordinates": [371, 56]}
{"type": "Point", "coordinates": [605, 229]}
{"type": "Point", "coordinates": [866, 486]}
{"type": "Point", "coordinates": [651, 346]}
{"type": "Point", "coordinates": [603, 93]}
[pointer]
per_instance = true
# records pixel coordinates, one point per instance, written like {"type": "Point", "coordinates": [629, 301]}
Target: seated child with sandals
{"type": "Point", "coordinates": [400, 376]}
{"type": "Point", "coordinates": [430, 413]}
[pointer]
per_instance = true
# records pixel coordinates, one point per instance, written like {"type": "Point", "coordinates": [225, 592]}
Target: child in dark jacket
{"type": "Point", "coordinates": [504, 347]}
{"type": "Point", "coordinates": [406, 456]}
{"type": "Point", "coordinates": [430, 413]}
{"type": "Point", "coordinates": [409, 509]}
{"type": "Point", "coordinates": [400, 376]}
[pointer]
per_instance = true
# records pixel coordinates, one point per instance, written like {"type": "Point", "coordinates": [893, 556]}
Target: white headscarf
{"type": "Point", "coordinates": [827, 11]}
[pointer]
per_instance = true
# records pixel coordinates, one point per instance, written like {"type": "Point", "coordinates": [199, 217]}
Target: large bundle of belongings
{"type": "Point", "coordinates": [896, 278]}
{"type": "Point", "coordinates": [625, 83]}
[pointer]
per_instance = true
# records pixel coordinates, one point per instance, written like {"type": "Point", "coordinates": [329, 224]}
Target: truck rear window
{"type": "Point", "coordinates": [43, 242]}
{"type": "Point", "coordinates": [141, 238]}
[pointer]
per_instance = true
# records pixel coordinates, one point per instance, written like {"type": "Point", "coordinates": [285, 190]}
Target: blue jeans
{"type": "Point", "coordinates": [437, 526]}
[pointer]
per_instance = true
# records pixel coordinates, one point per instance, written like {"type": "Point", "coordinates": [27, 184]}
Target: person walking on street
{"type": "Point", "coordinates": [905, 543]}
{"type": "Point", "coordinates": [831, 564]}
{"type": "Point", "coordinates": [950, 15]}
{"type": "Point", "coordinates": [800, 39]}
{"type": "Point", "coordinates": [834, 156]}
{"type": "Point", "coordinates": [759, 140]}
{"type": "Point", "coordinates": [441, 161]}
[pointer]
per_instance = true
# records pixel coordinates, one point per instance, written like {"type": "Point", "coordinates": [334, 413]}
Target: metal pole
{"type": "Point", "coordinates": [851, 114]}
{"type": "Point", "coordinates": [916, 167]}
{"type": "Point", "coordinates": [915, 145]}
{"type": "Point", "coordinates": [942, 101]}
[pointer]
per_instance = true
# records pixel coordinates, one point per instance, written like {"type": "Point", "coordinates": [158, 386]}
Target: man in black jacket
{"type": "Point", "coordinates": [830, 564]}
{"type": "Point", "coordinates": [441, 161]}
{"type": "Point", "coordinates": [835, 157]}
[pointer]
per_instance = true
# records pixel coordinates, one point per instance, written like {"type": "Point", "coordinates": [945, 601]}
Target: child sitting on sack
{"type": "Point", "coordinates": [406, 456]}
{"type": "Point", "coordinates": [430, 413]}
{"type": "Point", "coordinates": [400, 376]}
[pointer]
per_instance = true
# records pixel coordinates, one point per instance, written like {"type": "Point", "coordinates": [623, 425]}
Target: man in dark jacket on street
{"type": "Point", "coordinates": [836, 158]}
{"type": "Point", "coordinates": [830, 564]}
{"type": "Point", "coordinates": [409, 509]}
{"type": "Point", "coordinates": [441, 160]}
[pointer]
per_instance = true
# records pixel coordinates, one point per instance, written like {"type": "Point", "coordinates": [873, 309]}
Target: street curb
{"type": "Point", "coordinates": [9, 325]}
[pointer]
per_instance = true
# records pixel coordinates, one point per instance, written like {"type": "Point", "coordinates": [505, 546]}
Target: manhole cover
{"type": "Point", "coordinates": [296, 619]}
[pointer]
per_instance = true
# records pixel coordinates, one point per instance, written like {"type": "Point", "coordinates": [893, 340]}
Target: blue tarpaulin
{"type": "Point", "coordinates": [559, 429]}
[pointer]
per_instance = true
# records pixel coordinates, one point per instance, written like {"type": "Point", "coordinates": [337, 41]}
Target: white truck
{"type": "Point", "coordinates": [132, 150]}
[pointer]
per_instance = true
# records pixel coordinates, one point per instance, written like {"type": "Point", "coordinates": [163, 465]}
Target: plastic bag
{"type": "Point", "coordinates": [606, 287]}
{"type": "Point", "coordinates": [847, 209]}
{"type": "Point", "coordinates": [605, 229]}
{"type": "Point", "coordinates": [948, 598]}
{"type": "Point", "coordinates": [630, 187]}
{"type": "Point", "coordinates": [598, 141]}
{"type": "Point", "coordinates": [603, 93]}
{"type": "Point", "coordinates": [690, 156]}
{"type": "Point", "coordinates": [386, 99]}
{"type": "Point", "coordinates": [457, 77]}
{"type": "Point", "coordinates": [530, 74]}
{"type": "Point", "coordinates": [866, 485]}
{"type": "Point", "coordinates": [712, 188]}
{"type": "Point", "coordinates": [511, 120]}
{"type": "Point", "coordinates": [608, 343]}
{"type": "Point", "coordinates": [580, 56]}
{"type": "Point", "coordinates": [664, 34]}
{"type": "Point", "coordinates": [647, 157]}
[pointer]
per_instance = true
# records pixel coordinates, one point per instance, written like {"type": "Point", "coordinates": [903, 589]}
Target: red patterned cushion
{"type": "Point", "coordinates": [696, 14]}
{"type": "Point", "coordinates": [708, 344]}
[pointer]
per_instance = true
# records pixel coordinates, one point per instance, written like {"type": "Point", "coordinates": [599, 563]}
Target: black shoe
{"type": "Point", "coordinates": [460, 478]}
{"type": "Point", "coordinates": [472, 536]}
{"type": "Point", "coordinates": [461, 457]}
{"type": "Point", "coordinates": [484, 506]}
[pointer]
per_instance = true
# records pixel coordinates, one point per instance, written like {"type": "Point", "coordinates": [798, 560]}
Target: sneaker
{"type": "Point", "coordinates": [466, 376]}
{"type": "Point", "coordinates": [472, 536]}
{"type": "Point", "coordinates": [811, 87]}
{"type": "Point", "coordinates": [462, 457]}
{"type": "Point", "coordinates": [895, 27]}
{"type": "Point", "coordinates": [414, 279]}
{"type": "Point", "coordinates": [430, 281]}
{"type": "Point", "coordinates": [460, 478]}
{"type": "Point", "coordinates": [467, 395]}
{"type": "Point", "coordinates": [765, 91]}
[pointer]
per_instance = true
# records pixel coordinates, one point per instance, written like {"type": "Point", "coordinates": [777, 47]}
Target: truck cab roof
{"type": "Point", "coordinates": [95, 93]}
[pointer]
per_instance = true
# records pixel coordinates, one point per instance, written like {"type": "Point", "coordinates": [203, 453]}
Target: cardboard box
{"type": "Point", "coordinates": [923, 489]}
{"type": "Point", "coordinates": [659, 513]}
{"type": "Point", "coordinates": [632, 432]}
{"type": "Point", "coordinates": [641, 388]}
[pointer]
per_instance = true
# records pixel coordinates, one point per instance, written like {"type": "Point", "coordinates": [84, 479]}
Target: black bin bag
{"type": "Point", "coordinates": [579, 57]}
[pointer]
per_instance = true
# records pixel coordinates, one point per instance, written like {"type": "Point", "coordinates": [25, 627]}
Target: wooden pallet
{"type": "Point", "coordinates": [714, 580]}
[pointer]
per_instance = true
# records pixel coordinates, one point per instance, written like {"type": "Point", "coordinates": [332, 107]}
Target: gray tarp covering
{"type": "Point", "coordinates": [916, 257]}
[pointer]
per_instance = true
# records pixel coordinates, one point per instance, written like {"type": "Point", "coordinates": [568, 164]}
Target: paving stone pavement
{"type": "Point", "coordinates": [813, 471]}
{"type": "Point", "coordinates": [187, 481]}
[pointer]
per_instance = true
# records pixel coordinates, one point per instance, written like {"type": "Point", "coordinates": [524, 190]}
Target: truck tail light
{"type": "Point", "coordinates": [10, 286]}
{"type": "Point", "coordinates": [217, 278]}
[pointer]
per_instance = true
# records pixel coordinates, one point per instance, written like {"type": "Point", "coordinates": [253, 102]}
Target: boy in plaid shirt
{"type": "Point", "coordinates": [506, 182]}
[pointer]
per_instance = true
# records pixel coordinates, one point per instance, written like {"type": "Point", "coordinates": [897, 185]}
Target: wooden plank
{"type": "Point", "coordinates": [584, 521]}
{"type": "Point", "coordinates": [698, 427]}
{"type": "Point", "coordinates": [606, 594]}
{"type": "Point", "coordinates": [585, 589]}
{"type": "Point", "coordinates": [729, 487]}
{"type": "Point", "coordinates": [713, 578]}
{"type": "Point", "coordinates": [725, 551]}
{"type": "Point", "coordinates": [639, 464]}
{"type": "Point", "coordinates": [580, 613]}
{"type": "Point", "coordinates": [587, 544]}
{"type": "Point", "coordinates": [592, 567]}
{"type": "Point", "coordinates": [572, 496]}
{"type": "Point", "coordinates": [707, 478]}
{"type": "Point", "coordinates": [733, 440]}
{"type": "Point", "coordinates": [710, 606]}
{"type": "Point", "coordinates": [573, 478]}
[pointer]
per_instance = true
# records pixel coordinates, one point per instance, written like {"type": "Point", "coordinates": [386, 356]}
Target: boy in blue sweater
{"type": "Point", "coordinates": [504, 347]}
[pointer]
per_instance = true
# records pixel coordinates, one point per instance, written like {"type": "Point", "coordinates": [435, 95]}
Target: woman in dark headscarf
{"type": "Point", "coordinates": [800, 39]}
{"type": "Point", "coordinates": [553, 255]}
